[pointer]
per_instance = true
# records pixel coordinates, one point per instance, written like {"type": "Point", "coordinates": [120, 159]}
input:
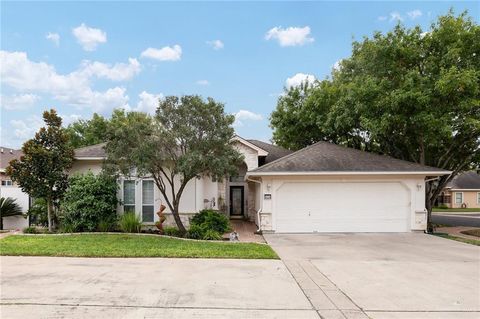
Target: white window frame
{"type": "Point", "coordinates": [153, 202]}
{"type": "Point", "coordinates": [478, 197]}
{"type": "Point", "coordinates": [456, 202]}
{"type": "Point", "coordinates": [8, 182]}
{"type": "Point", "coordinates": [134, 196]}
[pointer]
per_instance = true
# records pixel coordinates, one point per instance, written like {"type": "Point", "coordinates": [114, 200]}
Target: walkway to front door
{"type": "Point", "coordinates": [246, 231]}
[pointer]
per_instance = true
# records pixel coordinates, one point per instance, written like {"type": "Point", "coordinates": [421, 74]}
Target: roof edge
{"type": "Point", "coordinates": [316, 173]}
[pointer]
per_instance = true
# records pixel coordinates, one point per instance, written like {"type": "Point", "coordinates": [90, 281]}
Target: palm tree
{"type": "Point", "coordinates": [8, 207]}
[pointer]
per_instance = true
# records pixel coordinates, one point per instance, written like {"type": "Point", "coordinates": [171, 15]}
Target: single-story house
{"type": "Point", "coordinates": [10, 189]}
{"type": "Point", "coordinates": [462, 192]}
{"type": "Point", "coordinates": [321, 188]}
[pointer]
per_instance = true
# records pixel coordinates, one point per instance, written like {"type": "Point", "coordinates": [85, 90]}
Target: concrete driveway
{"type": "Point", "coordinates": [408, 275]}
{"type": "Point", "coordinates": [48, 287]}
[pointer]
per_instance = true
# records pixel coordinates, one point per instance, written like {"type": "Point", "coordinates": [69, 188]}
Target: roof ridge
{"type": "Point", "coordinates": [81, 148]}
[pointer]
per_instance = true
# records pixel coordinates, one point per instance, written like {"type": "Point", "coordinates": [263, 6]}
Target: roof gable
{"type": "Point", "coordinates": [465, 180]}
{"type": "Point", "coordinates": [328, 157]}
{"type": "Point", "coordinates": [274, 152]}
{"type": "Point", "coordinates": [96, 151]}
{"type": "Point", "coordinates": [260, 151]}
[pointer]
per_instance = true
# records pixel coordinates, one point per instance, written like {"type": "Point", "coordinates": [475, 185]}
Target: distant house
{"type": "Point", "coordinates": [462, 192]}
{"type": "Point", "coordinates": [320, 188]}
{"type": "Point", "coordinates": [10, 189]}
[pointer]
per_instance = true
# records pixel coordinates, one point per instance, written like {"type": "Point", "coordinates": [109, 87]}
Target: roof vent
{"type": "Point", "coordinates": [1, 150]}
{"type": "Point", "coordinates": [11, 151]}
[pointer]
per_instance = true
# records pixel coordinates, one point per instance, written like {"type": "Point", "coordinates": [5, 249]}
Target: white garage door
{"type": "Point", "coordinates": [341, 207]}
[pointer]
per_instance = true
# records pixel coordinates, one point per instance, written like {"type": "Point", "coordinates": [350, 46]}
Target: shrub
{"type": "Point", "coordinates": [105, 226]}
{"type": "Point", "coordinates": [88, 201]}
{"type": "Point", "coordinates": [195, 232]}
{"type": "Point", "coordinates": [211, 220]}
{"type": "Point", "coordinates": [130, 223]}
{"type": "Point", "coordinates": [171, 231]}
{"type": "Point", "coordinates": [38, 212]}
{"type": "Point", "coordinates": [211, 234]}
{"type": "Point", "coordinates": [30, 230]}
{"type": "Point", "coordinates": [443, 206]}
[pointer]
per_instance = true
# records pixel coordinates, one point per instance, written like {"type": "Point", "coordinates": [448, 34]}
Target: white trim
{"type": "Point", "coordinates": [465, 189]}
{"type": "Point", "coordinates": [478, 197]}
{"type": "Point", "coordinates": [260, 151]}
{"type": "Point", "coordinates": [455, 198]}
{"type": "Point", "coordinates": [93, 158]}
{"type": "Point", "coordinates": [425, 173]}
{"type": "Point", "coordinates": [141, 200]}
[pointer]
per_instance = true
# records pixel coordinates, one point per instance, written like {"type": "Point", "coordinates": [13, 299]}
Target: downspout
{"type": "Point", "coordinates": [261, 201]}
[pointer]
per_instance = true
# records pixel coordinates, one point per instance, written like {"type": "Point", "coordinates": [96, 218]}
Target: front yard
{"type": "Point", "coordinates": [127, 245]}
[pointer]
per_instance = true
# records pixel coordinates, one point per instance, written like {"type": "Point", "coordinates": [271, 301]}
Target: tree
{"type": "Point", "coordinates": [410, 94]}
{"type": "Point", "coordinates": [88, 132]}
{"type": "Point", "coordinates": [187, 138]}
{"type": "Point", "coordinates": [8, 207]}
{"type": "Point", "coordinates": [42, 171]}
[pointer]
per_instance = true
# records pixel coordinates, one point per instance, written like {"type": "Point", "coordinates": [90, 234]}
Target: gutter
{"type": "Point", "coordinates": [261, 201]}
{"type": "Point", "coordinates": [329, 173]}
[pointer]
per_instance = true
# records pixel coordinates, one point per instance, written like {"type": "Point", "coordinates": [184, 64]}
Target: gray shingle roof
{"type": "Point", "coordinates": [466, 180]}
{"type": "Point", "coordinates": [274, 152]}
{"type": "Point", "coordinates": [328, 157]}
{"type": "Point", "coordinates": [96, 150]}
{"type": "Point", "coordinates": [8, 154]}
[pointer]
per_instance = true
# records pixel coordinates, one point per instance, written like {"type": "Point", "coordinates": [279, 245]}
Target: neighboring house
{"type": "Point", "coordinates": [462, 191]}
{"type": "Point", "coordinates": [10, 189]}
{"type": "Point", "coordinates": [321, 188]}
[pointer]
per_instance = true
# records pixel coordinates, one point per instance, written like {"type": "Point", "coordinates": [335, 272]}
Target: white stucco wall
{"type": "Point", "coordinates": [84, 166]}
{"type": "Point", "coordinates": [251, 155]}
{"type": "Point", "coordinates": [415, 185]}
{"type": "Point", "coordinates": [23, 200]}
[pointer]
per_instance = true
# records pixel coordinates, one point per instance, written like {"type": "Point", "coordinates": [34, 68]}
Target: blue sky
{"type": "Point", "coordinates": [87, 57]}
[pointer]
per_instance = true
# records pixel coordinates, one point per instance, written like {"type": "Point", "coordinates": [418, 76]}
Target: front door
{"type": "Point", "coordinates": [236, 200]}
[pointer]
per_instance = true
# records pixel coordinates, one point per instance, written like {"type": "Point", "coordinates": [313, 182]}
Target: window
{"type": "Point", "coordinates": [7, 183]}
{"type": "Point", "coordinates": [458, 198]}
{"type": "Point", "coordinates": [147, 201]}
{"type": "Point", "coordinates": [478, 198]}
{"type": "Point", "coordinates": [128, 196]}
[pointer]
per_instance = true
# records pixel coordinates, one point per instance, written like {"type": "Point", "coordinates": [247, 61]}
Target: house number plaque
{"type": "Point", "coordinates": [267, 196]}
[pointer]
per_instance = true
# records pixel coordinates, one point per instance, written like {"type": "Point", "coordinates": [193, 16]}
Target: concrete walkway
{"type": "Point", "coordinates": [246, 231]}
{"type": "Point", "coordinates": [383, 275]}
{"type": "Point", "coordinates": [46, 287]}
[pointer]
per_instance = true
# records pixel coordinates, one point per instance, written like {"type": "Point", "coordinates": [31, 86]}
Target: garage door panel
{"type": "Point", "coordinates": [342, 207]}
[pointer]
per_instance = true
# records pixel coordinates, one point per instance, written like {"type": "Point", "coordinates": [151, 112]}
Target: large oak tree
{"type": "Point", "coordinates": [187, 138]}
{"type": "Point", "coordinates": [410, 94]}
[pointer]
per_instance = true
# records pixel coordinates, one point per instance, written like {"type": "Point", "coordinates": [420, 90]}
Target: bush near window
{"type": "Point", "coordinates": [208, 225]}
{"type": "Point", "coordinates": [30, 230]}
{"type": "Point", "coordinates": [38, 212]}
{"type": "Point", "coordinates": [89, 201]}
{"type": "Point", "coordinates": [130, 223]}
{"type": "Point", "coordinates": [171, 231]}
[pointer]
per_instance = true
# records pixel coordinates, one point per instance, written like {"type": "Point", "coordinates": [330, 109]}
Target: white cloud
{"type": "Point", "coordinates": [244, 115]}
{"type": "Point", "coordinates": [167, 53]}
{"type": "Point", "coordinates": [18, 101]}
{"type": "Point", "coordinates": [382, 18]}
{"type": "Point", "coordinates": [337, 65]}
{"type": "Point", "coordinates": [26, 129]}
{"type": "Point", "coordinates": [68, 119]}
{"type": "Point", "coordinates": [216, 44]}
{"type": "Point", "coordinates": [147, 103]}
{"type": "Point", "coordinates": [414, 14]}
{"type": "Point", "coordinates": [88, 37]}
{"type": "Point", "coordinates": [117, 72]}
{"type": "Point", "coordinates": [291, 36]}
{"type": "Point", "coordinates": [73, 88]}
{"type": "Point", "coordinates": [395, 16]}
{"type": "Point", "coordinates": [54, 37]}
{"type": "Point", "coordinates": [203, 82]}
{"type": "Point", "coordinates": [298, 79]}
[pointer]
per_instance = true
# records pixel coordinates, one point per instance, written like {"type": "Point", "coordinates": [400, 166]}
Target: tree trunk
{"type": "Point", "coordinates": [428, 207]}
{"type": "Point", "coordinates": [49, 214]}
{"type": "Point", "coordinates": [178, 221]}
{"type": "Point", "coordinates": [1, 222]}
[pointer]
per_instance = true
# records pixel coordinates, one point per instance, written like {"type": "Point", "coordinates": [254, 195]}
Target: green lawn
{"type": "Point", "coordinates": [463, 240]}
{"type": "Point", "coordinates": [126, 245]}
{"type": "Point", "coordinates": [455, 210]}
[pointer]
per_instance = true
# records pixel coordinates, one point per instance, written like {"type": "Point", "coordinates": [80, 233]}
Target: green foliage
{"type": "Point", "coordinates": [8, 207]}
{"type": "Point", "coordinates": [211, 219]}
{"type": "Point", "coordinates": [188, 137]}
{"type": "Point", "coordinates": [171, 231]}
{"type": "Point", "coordinates": [88, 132]}
{"type": "Point", "coordinates": [67, 228]}
{"type": "Point", "coordinates": [410, 94]}
{"type": "Point", "coordinates": [38, 212]}
{"type": "Point", "coordinates": [30, 230]}
{"type": "Point", "coordinates": [88, 201]}
{"type": "Point", "coordinates": [42, 171]}
{"type": "Point", "coordinates": [443, 206]}
{"type": "Point", "coordinates": [130, 223]}
{"type": "Point", "coordinates": [105, 225]}
{"type": "Point", "coordinates": [208, 225]}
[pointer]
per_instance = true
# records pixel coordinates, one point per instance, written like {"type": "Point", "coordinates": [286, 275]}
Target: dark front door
{"type": "Point", "coordinates": [236, 200]}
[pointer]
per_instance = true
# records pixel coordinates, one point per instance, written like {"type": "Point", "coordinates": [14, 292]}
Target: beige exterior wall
{"type": "Point", "coordinates": [84, 166]}
{"type": "Point", "coordinates": [470, 198]}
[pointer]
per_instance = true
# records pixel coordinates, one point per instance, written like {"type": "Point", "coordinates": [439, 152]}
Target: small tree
{"type": "Point", "coordinates": [187, 138]}
{"type": "Point", "coordinates": [42, 170]}
{"type": "Point", "coordinates": [8, 207]}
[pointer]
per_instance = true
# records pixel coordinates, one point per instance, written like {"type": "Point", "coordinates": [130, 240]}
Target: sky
{"type": "Point", "coordinates": [86, 57]}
